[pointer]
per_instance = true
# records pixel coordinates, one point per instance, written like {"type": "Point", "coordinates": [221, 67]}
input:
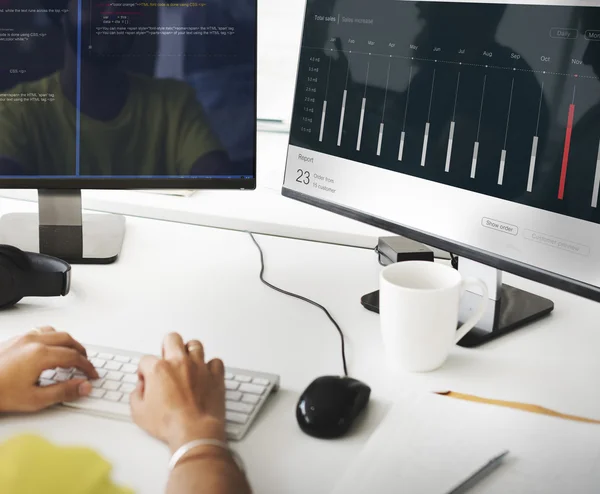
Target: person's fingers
{"type": "Point", "coordinates": [196, 351]}
{"type": "Point", "coordinates": [146, 365]}
{"type": "Point", "coordinates": [61, 339]}
{"type": "Point", "coordinates": [55, 356]}
{"type": "Point", "coordinates": [173, 347]}
{"type": "Point", "coordinates": [217, 368]}
{"type": "Point", "coordinates": [43, 329]}
{"type": "Point", "coordinates": [135, 401]}
{"type": "Point", "coordinates": [61, 392]}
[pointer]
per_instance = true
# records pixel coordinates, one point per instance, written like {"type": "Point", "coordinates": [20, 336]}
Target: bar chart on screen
{"type": "Point", "coordinates": [461, 109]}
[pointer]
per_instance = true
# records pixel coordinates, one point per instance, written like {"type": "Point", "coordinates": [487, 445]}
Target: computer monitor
{"type": "Point", "coordinates": [473, 127]}
{"type": "Point", "coordinates": [113, 95]}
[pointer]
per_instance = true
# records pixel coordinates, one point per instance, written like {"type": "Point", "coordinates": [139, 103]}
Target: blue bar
{"type": "Point", "coordinates": [78, 85]}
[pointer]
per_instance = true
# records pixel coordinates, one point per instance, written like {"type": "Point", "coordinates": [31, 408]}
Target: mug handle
{"type": "Point", "coordinates": [477, 315]}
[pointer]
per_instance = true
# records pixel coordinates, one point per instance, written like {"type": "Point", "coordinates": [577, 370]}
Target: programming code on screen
{"type": "Point", "coordinates": [94, 88]}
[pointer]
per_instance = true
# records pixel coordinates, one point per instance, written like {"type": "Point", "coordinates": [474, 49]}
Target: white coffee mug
{"type": "Point", "coordinates": [418, 307]}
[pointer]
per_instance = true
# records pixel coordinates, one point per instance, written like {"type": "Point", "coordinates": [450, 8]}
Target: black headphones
{"type": "Point", "coordinates": [26, 274]}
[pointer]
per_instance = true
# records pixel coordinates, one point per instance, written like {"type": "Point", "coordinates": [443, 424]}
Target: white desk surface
{"type": "Point", "coordinates": [203, 283]}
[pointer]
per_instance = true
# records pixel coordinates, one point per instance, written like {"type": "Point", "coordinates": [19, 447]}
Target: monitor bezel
{"type": "Point", "coordinates": [501, 263]}
{"type": "Point", "coordinates": [111, 183]}
{"type": "Point", "coordinates": [195, 183]}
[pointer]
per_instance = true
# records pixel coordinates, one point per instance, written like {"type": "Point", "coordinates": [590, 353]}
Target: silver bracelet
{"type": "Point", "coordinates": [183, 450]}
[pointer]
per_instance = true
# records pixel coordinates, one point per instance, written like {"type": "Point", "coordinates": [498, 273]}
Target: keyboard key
{"type": "Point", "coordinates": [97, 393]}
{"type": "Point", "coordinates": [252, 399]}
{"type": "Point", "coordinates": [231, 385]}
{"type": "Point", "coordinates": [236, 406]}
{"type": "Point", "coordinates": [114, 376]}
{"type": "Point", "coordinates": [260, 381]}
{"type": "Point", "coordinates": [111, 385]}
{"type": "Point", "coordinates": [113, 396]}
{"type": "Point", "coordinates": [243, 379]}
{"type": "Point", "coordinates": [125, 398]}
{"type": "Point", "coordinates": [98, 383]}
{"type": "Point", "coordinates": [129, 368]}
{"type": "Point", "coordinates": [233, 429]}
{"type": "Point", "coordinates": [105, 356]}
{"type": "Point", "coordinates": [62, 376]}
{"type": "Point", "coordinates": [113, 365]}
{"type": "Point", "coordinates": [130, 378]}
{"type": "Point", "coordinates": [135, 360]}
{"type": "Point", "coordinates": [127, 387]}
{"type": "Point", "coordinates": [48, 374]}
{"type": "Point", "coordinates": [91, 354]}
{"type": "Point", "coordinates": [101, 372]}
{"type": "Point", "coordinates": [46, 382]}
{"type": "Point", "coordinates": [122, 359]}
{"type": "Point", "coordinates": [252, 388]}
{"type": "Point", "coordinates": [235, 417]}
{"type": "Point", "coordinates": [79, 375]}
{"type": "Point", "coordinates": [98, 362]}
{"type": "Point", "coordinates": [233, 395]}
{"type": "Point", "coordinates": [228, 375]}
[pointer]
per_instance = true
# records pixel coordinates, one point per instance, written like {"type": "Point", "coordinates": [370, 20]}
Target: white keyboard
{"type": "Point", "coordinates": [246, 391]}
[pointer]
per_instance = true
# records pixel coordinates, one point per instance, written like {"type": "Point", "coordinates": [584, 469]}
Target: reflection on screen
{"type": "Point", "coordinates": [105, 89]}
{"type": "Point", "coordinates": [501, 99]}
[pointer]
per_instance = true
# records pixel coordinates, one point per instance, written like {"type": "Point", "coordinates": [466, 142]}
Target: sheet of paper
{"type": "Point", "coordinates": [428, 444]}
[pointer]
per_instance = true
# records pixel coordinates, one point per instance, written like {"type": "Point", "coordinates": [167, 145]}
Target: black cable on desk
{"type": "Point", "coordinates": [304, 299]}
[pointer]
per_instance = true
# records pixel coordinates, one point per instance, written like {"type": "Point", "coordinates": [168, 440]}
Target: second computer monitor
{"type": "Point", "coordinates": [471, 126]}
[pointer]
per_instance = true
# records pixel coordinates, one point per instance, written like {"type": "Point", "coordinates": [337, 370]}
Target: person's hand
{"type": "Point", "coordinates": [180, 398]}
{"type": "Point", "coordinates": [24, 358]}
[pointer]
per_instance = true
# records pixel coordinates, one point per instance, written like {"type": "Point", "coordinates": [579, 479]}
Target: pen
{"type": "Point", "coordinates": [479, 474]}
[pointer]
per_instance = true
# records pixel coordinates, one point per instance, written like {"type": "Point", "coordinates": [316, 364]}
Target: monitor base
{"type": "Point", "coordinates": [101, 237]}
{"type": "Point", "coordinates": [61, 230]}
{"type": "Point", "coordinates": [513, 310]}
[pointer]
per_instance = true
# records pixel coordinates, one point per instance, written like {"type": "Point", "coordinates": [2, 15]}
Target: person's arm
{"type": "Point", "coordinates": [180, 398]}
{"type": "Point", "coordinates": [209, 469]}
{"type": "Point", "coordinates": [199, 150]}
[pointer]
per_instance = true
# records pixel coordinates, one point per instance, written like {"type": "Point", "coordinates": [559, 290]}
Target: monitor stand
{"type": "Point", "coordinates": [60, 229]}
{"type": "Point", "coordinates": [508, 308]}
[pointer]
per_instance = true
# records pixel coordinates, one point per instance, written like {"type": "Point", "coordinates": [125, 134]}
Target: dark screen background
{"type": "Point", "coordinates": [209, 47]}
{"type": "Point", "coordinates": [497, 75]}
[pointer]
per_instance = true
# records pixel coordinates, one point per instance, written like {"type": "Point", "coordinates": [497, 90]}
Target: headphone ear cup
{"type": "Point", "coordinates": [8, 289]}
{"type": "Point", "coordinates": [17, 256]}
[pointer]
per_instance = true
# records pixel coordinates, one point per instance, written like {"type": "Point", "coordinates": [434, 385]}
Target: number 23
{"type": "Point", "coordinates": [303, 177]}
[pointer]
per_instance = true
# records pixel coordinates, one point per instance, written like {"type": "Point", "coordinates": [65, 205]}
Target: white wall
{"type": "Point", "coordinates": [279, 35]}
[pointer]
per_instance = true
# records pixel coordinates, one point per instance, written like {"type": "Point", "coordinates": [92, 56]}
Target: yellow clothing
{"type": "Point", "coordinates": [32, 465]}
{"type": "Point", "coordinates": [161, 130]}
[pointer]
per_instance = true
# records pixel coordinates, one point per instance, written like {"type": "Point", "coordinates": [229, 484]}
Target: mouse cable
{"type": "Point", "coordinates": [285, 292]}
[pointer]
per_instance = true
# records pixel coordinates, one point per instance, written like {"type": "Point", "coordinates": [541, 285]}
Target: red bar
{"type": "Point", "coordinates": [565, 161]}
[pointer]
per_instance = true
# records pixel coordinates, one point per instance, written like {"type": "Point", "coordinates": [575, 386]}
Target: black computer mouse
{"type": "Point", "coordinates": [330, 404]}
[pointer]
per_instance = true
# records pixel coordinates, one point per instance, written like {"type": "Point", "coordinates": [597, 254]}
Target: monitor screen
{"type": "Point", "coordinates": [91, 89]}
{"type": "Point", "coordinates": [476, 124]}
